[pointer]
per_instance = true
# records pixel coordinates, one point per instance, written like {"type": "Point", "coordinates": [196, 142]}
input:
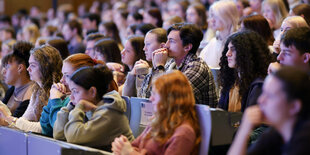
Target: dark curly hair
{"type": "Point", "coordinates": [252, 60]}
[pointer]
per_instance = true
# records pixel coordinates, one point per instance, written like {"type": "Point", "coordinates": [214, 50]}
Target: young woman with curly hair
{"type": "Point", "coordinates": [175, 127]}
{"type": "Point", "coordinates": [243, 68]}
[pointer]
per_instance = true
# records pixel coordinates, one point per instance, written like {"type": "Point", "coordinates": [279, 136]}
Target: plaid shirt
{"type": "Point", "coordinates": [145, 90]}
{"type": "Point", "coordinates": [197, 72]}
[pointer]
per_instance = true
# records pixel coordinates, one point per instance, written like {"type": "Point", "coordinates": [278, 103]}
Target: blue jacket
{"type": "Point", "coordinates": [49, 114]}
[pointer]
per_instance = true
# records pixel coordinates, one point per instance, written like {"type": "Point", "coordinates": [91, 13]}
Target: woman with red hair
{"type": "Point", "coordinates": [175, 127]}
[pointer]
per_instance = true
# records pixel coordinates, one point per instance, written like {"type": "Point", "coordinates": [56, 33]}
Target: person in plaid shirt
{"type": "Point", "coordinates": [183, 42]}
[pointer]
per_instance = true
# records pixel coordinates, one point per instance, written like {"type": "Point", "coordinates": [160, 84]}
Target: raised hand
{"type": "Point", "coordinates": [57, 91]}
{"type": "Point", "coordinates": [159, 57]}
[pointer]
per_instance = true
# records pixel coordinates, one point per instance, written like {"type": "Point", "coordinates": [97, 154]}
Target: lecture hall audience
{"type": "Point", "coordinates": [197, 38]}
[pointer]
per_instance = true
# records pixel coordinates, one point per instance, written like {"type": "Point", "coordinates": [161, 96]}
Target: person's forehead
{"type": "Point", "coordinates": [150, 36]}
{"type": "Point", "coordinates": [174, 34]}
{"type": "Point", "coordinates": [290, 48]}
{"type": "Point", "coordinates": [32, 59]}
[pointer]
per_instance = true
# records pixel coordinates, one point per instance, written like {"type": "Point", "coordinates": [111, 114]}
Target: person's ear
{"type": "Point", "coordinates": [306, 57]}
{"type": "Point", "coordinates": [20, 68]}
{"type": "Point", "coordinates": [188, 47]}
{"type": "Point", "coordinates": [296, 107]}
{"type": "Point", "coordinates": [92, 92]}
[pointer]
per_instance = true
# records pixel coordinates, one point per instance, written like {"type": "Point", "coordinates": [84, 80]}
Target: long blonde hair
{"type": "Point", "coordinates": [279, 10]}
{"type": "Point", "coordinates": [176, 105]}
{"type": "Point", "coordinates": [227, 12]}
{"type": "Point", "coordinates": [33, 32]}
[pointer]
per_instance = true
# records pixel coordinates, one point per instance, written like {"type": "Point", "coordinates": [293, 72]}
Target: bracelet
{"type": "Point", "coordinates": [13, 123]}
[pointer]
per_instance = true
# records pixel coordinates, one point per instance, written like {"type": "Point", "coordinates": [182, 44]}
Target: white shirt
{"type": "Point", "coordinates": [212, 53]}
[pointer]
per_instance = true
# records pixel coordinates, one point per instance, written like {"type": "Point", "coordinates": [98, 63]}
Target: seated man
{"type": "Point", "coordinates": [183, 42]}
{"type": "Point", "coordinates": [295, 45]}
{"type": "Point", "coordinates": [15, 74]}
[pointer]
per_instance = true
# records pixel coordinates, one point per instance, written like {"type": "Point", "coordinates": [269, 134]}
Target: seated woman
{"type": "Point", "coordinates": [107, 51]}
{"type": "Point", "coordinates": [275, 12]}
{"type": "Point", "coordinates": [44, 69]}
{"type": "Point", "coordinates": [284, 105]}
{"type": "Point", "coordinates": [59, 94]}
{"type": "Point", "coordinates": [243, 68]}
{"type": "Point", "coordinates": [142, 72]}
{"type": "Point", "coordinates": [259, 24]}
{"type": "Point", "coordinates": [109, 29]}
{"type": "Point", "coordinates": [175, 127]}
{"type": "Point", "coordinates": [15, 74]}
{"type": "Point", "coordinates": [132, 52]}
{"type": "Point", "coordinates": [223, 18]}
{"type": "Point", "coordinates": [98, 117]}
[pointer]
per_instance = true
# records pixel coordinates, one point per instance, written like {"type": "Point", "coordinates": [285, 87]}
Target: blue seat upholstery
{"type": "Point", "coordinates": [128, 106]}
{"type": "Point", "coordinates": [15, 142]}
{"type": "Point", "coordinates": [215, 73]}
{"type": "Point", "coordinates": [39, 145]}
{"type": "Point", "coordinates": [135, 116]}
{"type": "Point", "coordinates": [12, 142]}
{"type": "Point", "coordinates": [204, 117]}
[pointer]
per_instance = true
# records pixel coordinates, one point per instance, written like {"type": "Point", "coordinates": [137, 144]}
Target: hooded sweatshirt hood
{"type": "Point", "coordinates": [113, 100]}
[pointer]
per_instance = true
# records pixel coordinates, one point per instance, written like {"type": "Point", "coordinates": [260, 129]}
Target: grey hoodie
{"type": "Point", "coordinates": [104, 124]}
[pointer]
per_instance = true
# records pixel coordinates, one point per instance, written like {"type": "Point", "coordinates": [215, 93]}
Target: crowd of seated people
{"type": "Point", "coordinates": [64, 76]}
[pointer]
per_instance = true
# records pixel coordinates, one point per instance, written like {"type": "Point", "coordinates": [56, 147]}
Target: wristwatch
{"type": "Point", "coordinates": [160, 67]}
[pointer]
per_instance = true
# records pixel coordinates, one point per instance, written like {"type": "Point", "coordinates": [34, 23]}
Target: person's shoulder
{"type": "Point", "coordinates": [300, 141]}
{"type": "Point", "coordinates": [185, 129]}
{"type": "Point", "coordinates": [196, 61]}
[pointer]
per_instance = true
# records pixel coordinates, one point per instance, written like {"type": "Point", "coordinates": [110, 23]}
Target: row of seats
{"type": "Point", "coordinates": [217, 127]}
{"type": "Point", "coordinates": [15, 142]}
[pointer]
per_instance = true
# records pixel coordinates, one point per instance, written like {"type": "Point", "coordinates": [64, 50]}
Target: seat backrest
{"type": "Point", "coordinates": [128, 106]}
{"type": "Point", "coordinates": [204, 117]}
{"type": "Point", "coordinates": [215, 73]}
{"type": "Point", "coordinates": [224, 126]}
{"type": "Point", "coordinates": [39, 145]}
{"type": "Point", "coordinates": [12, 142]}
{"type": "Point", "coordinates": [135, 116]}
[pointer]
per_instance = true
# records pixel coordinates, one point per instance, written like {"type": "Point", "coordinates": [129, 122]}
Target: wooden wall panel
{"type": "Point", "coordinates": [12, 6]}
